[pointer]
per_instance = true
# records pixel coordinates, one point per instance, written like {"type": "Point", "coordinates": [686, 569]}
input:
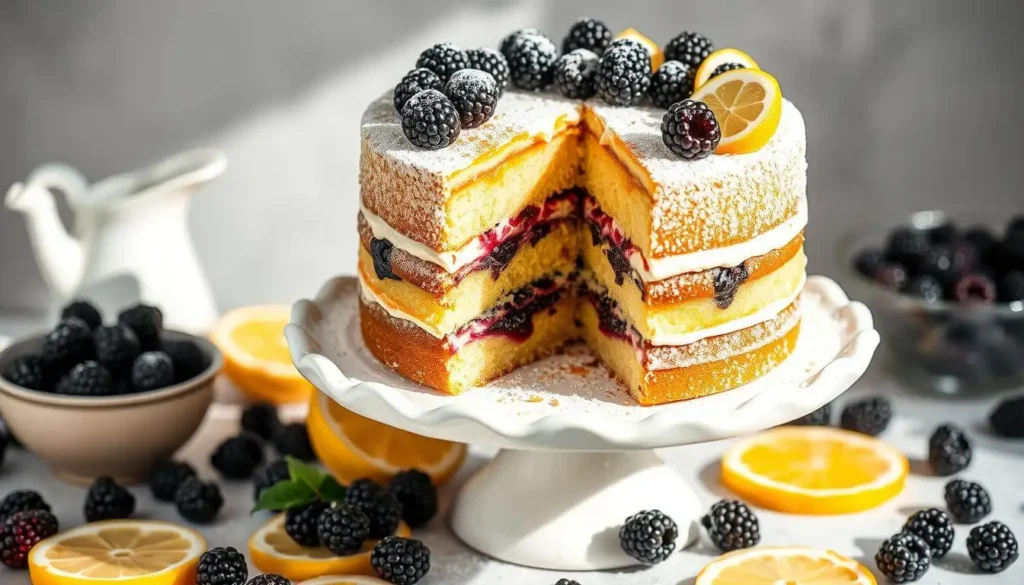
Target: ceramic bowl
{"type": "Point", "coordinates": [120, 436]}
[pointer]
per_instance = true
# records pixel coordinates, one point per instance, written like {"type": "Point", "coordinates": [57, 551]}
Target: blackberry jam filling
{"type": "Point", "coordinates": [619, 248]}
{"type": "Point", "coordinates": [381, 250]}
{"type": "Point", "coordinates": [727, 282]}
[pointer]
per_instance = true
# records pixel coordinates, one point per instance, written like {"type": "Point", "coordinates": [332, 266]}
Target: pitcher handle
{"type": "Point", "coordinates": [50, 176]}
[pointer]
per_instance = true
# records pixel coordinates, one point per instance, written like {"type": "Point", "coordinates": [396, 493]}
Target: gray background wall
{"type": "Point", "coordinates": [910, 104]}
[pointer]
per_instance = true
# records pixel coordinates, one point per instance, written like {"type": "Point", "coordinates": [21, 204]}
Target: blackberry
{"type": "Point", "coordinates": [261, 420]}
{"type": "Point", "coordinates": [690, 130]}
{"type": "Point", "coordinates": [869, 262]}
{"type": "Point", "coordinates": [152, 370]}
{"type": "Point", "coordinates": [575, 74]}
{"type": "Point", "coordinates": [1011, 287]}
{"type": "Point", "coordinates": [380, 251]}
{"type": "Point", "coordinates": [301, 522]}
{"type": "Point", "coordinates": [926, 288]}
{"type": "Point", "coordinates": [430, 120]}
{"type": "Point", "coordinates": [88, 378]}
{"type": "Point", "coordinates": [967, 501]}
{"type": "Point", "coordinates": [949, 451]}
{"type": "Point", "coordinates": [624, 73]}
{"type": "Point", "coordinates": [21, 501]}
{"type": "Point", "coordinates": [690, 48]}
{"type": "Point", "coordinates": [819, 418]}
{"type": "Point", "coordinates": [893, 277]}
{"type": "Point", "coordinates": [906, 246]}
{"type": "Point", "coordinates": [198, 501]}
{"type": "Point", "coordinates": [268, 476]}
{"type": "Point", "coordinates": [567, 582]}
{"type": "Point", "coordinates": [870, 416]}
{"type": "Point", "coordinates": [444, 59]}
{"type": "Point", "coordinates": [975, 289]}
{"type": "Point", "coordinates": [269, 579]}
{"type": "Point", "coordinates": [490, 61]}
{"type": "Point", "coordinates": [167, 477]}
{"type": "Point", "coordinates": [649, 537]}
{"type": "Point", "coordinates": [293, 440]}
{"type": "Point", "coordinates": [903, 558]}
{"type": "Point", "coordinates": [671, 83]}
{"type": "Point", "coordinates": [474, 94]}
{"type": "Point", "coordinates": [106, 500]}
{"type": "Point", "coordinates": [726, 67]}
{"type": "Point", "coordinates": [116, 348]}
{"type": "Point", "coordinates": [402, 561]}
{"type": "Point", "coordinates": [531, 61]}
{"type": "Point", "coordinates": [992, 547]}
{"type": "Point", "coordinates": [29, 371]}
{"type": "Point", "coordinates": [414, 82]}
{"type": "Point", "coordinates": [21, 532]}
{"type": "Point", "coordinates": [417, 495]}
{"type": "Point", "coordinates": [222, 566]}
{"type": "Point", "coordinates": [1016, 224]}
{"type": "Point", "coordinates": [343, 529]}
{"type": "Point", "coordinates": [935, 528]}
{"type": "Point", "coordinates": [238, 457]}
{"type": "Point", "coordinates": [69, 343]}
{"type": "Point", "coordinates": [147, 322]}
{"type": "Point", "coordinates": [381, 506]}
{"type": "Point", "coordinates": [85, 311]}
{"type": "Point", "coordinates": [1007, 419]}
{"type": "Point", "coordinates": [943, 233]}
{"type": "Point", "coordinates": [727, 282]}
{"type": "Point", "coordinates": [980, 238]}
{"type": "Point", "coordinates": [587, 33]}
{"type": "Point", "coordinates": [732, 526]}
{"type": "Point", "coordinates": [188, 359]}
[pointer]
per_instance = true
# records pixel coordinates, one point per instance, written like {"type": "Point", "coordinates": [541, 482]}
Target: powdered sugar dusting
{"type": "Point", "coordinates": [474, 79]}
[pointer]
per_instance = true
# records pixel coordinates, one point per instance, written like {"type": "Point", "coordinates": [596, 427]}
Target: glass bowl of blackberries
{"type": "Point", "coordinates": [948, 299]}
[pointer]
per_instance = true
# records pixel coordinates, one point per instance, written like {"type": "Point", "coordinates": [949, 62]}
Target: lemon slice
{"type": "Point", "coordinates": [721, 57]}
{"type": "Point", "coordinates": [748, 106]}
{"type": "Point", "coordinates": [657, 56]}
{"type": "Point", "coordinates": [125, 552]}
{"type": "Point", "coordinates": [791, 565]}
{"type": "Point", "coordinates": [344, 580]}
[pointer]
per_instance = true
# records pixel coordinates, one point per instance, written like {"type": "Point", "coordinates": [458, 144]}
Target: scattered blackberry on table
{"type": "Point", "coordinates": [1011, 287]}
{"type": "Point", "coordinates": [926, 288]}
{"type": "Point", "coordinates": [903, 558]}
{"type": "Point", "coordinates": [510, 39]}
{"type": "Point", "coordinates": [430, 120]}
{"type": "Point", "coordinates": [301, 522]}
{"type": "Point", "coordinates": [444, 59]}
{"type": "Point", "coordinates": [261, 420]}
{"type": "Point", "coordinates": [975, 289]}
{"type": "Point", "coordinates": [732, 525]}
{"type": "Point", "coordinates": [343, 529]}
{"type": "Point", "coordinates": [402, 561]}
{"type": "Point", "coordinates": [69, 343]}
{"type": "Point", "coordinates": [992, 547]}
{"type": "Point", "coordinates": [85, 311]}
{"type": "Point", "coordinates": [649, 537]}
{"type": "Point", "coordinates": [88, 378]}
{"type": "Point", "coordinates": [222, 566]}
{"type": "Point", "coordinates": [21, 501]}
{"type": "Point", "coordinates": [380, 505]}
{"type": "Point", "coordinates": [587, 33]}
{"type": "Point", "coordinates": [949, 450]}
{"type": "Point", "coordinates": [116, 348]}
{"type": "Point", "coordinates": [198, 501]}
{"type": "Point", "coordinates": [968, 502]}
{"type": "Point", "coordinates": [293, 440]}
{"type": "Point", "coordinates": [893, 277]}
{"type": "Point", "coordinates": [29, 371]}
{"type": "Point", "coordinates": [690, 48]}
{"type": "Point", "coordinates": [531, 61]}
{"type": "Point", "coordinates": [869, 262]}
{"type": "Point", "coordinates": [188, 359]}
{"type": "Point", "coordinates": [152, 370]}
{"type": "Point", "coordinates": [935, 529]}
{"type": "Point", "coordinates": [819, 418]}
{"type": "Point", "coordinates": [870, 416]}
{"type": "Point", "coordinates": [906, 246]}
{"type": "Point", "coordinates": [624, 73]}
{"type": "Point", "coordinates": [1007, 418]}
{"type": "Point", "coordinates": [269, 579]}
{"type": "Point", "coordinates": [147, 322]}
{"type": "Point", "coordinates": [575, 74]}
{"type": "Point", "coordinates": [238, 457]}
{"type": "Point", "coordinates": [690, 130]}
{"type": "Point", "coordinates": [671, 83]}
{"type": "Point", "coordinates": [490, 61]}
{"type": "Point", "coordinates": [724, 67]}
{"type": "Point", "coordinates": [417, 495]}
{"type": "Point", "coordinates": [474, 94]}
{"type": "Point", "coordinates": [106, 500]}
{"type": "Point", "coordinates": [268, 476]}
{"type": "Point", "coordinates": [20, 532]}
{"type": "Point", "coordinates": [414, 82]}
{"type": "Point", "coordinates": [167, 477]}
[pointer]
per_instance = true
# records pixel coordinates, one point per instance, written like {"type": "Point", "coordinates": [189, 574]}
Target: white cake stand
{"type": "Point", "coordinates": [577, 453]}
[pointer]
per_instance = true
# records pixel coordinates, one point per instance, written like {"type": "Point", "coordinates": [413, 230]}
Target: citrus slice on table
{"type": "Point", "coordinates": [748, 106]}
{"type": "Point", "coordinates": [256, 356]}
{"type": "Point", "coordinates": [718, 58]}
{"type": "Point", "coordinates": [814, 470]}
{"type": "Point", "coordinates": [657, 56]}
{"type": "Point", "coordinates": [271, 550]}
{"type": "Point", "coordinates": [352, 446]}
{"type": "Point", "coordinates": [126, 552]}
{"type": "Point", "coordinates": [344, 580]}
{"type": "Point", "coordinates": [790, 565]}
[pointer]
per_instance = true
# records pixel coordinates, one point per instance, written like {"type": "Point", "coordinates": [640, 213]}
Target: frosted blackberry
{"type": "Point", "coordinates": [152, 370]}
{"type": "Point", "coordinates": [268, 476]}
{"type": "Point", "coordinates": [724, 67]}
{"type": "Point", "coordinates": [222, 566]}
{"type": "Point", "coordinates": [188, 359]}
{"type": "Point", "coordinates": [474, 94]}
{"type": "Point", "coordinates": [88, 378]}
{"type": "Point", "coordinates": [671, 83]}
{"type": "Point", "coordinates": [29, 371]}
{"type": "Point", "coordinates": [166, 478]}
{"type": "Point", "coordinates": [444, 59]}
{"type": "Point", "coordinates": [510, 39]}
{"type": "Point", "coordinates": [116, 348]}
{"type": "Point", "coordinates": [992, 547]}
{"type": "Point", "coordinates": [587, 33]}
{"type": "Point", "coordinates": [198, 501]}
{"type": "Point", "coordinates": [21, 501]}
{"type": "Point", "coordinates": [690, 48]}
{"type": "Point", "coordinates": [238, 457]}
{"type": "Point", "coordinates": [531, 62]}
{"type": "Point", "coordinates": [430, 121]}
{"type": "Point", "coordinates": [261, 420]}
{"type": "Point", "coordinates": [414, 82]}
{"type": "Point", "coordinates": [300, 523]}
{"type": "Point", "coordinates": [417, 495]}
{"type": "Point", "coordinates": [968, 502]}
{"type": "Point", "coordinates": [68, 344]}
{"type": "Point", "coordinates": [402, 561]}
{"type": "Point", "coordinates": [935, 528]}
{"type": "Point", "coordinates": [903, 558]}
{"type": "Point", "coordinates": [690, 130]}
{"type": "Point", "coordinates": [949, 450]}
{"type": "Point", "coordinates": [493, 62]}
{"type": "Point", "coordinates": [624, 73]}
{"type": "Point", "coordinates": [106, 500]}
{"type": "Point", "coordinates": [576, 74]}
{"type": "Point", "coordinates": [293, 440]}
{"type": "Point", "coordinates": [870, 416]}
{"type": "Point", "coordinates": [381, 506]}
{"type": "Point", "coordinates": [819, 418]}
{"type": "Point", "coordinates": [147, 322]}
{"type": "Point", "coordinates": [342, 529]}
{"type": "Point", "coordinates": [732, 526]}
{"type": "Point", "coordinates": [85, 311]}
{"type": "Point", "coordinates": [649, 537]}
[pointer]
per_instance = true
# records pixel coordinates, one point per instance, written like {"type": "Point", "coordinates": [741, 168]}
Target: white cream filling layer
{"type": "Point", "coordinates": [371, 297]}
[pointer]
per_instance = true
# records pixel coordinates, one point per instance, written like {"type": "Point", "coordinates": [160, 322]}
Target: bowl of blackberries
{"type": "Point", "coordinates": [95, 398]}
{"type": "Point", "coordinates": [948, 299]}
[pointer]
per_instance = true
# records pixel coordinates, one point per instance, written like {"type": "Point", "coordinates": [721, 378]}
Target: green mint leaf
{"type": "Point", "coordinates": [284, 495]}
{"type": "Point", "coordinates": [305, 473]}
{"type": "Point", "coordinates": [331, 490]}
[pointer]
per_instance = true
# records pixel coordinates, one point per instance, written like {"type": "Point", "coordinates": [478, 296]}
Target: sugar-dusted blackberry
{"type": "Point", "coordinates": [474, 94]}
{"type": "Point", "coordinates": [414, 82]}
{"type": "Point", "coordinates": [587, 33]}
{"type": "Point", "coordinates": [106, 500]}
{"type": "Point", "coordinates": [20, 532]}
{"type": "Point", "coordinates": [926, 288]}
{"type": "Point", "coordinates": [967, 501]}
{"type": "Point", "coordinates": [624, 73]}
{"type": "Point", "coordinates": [116, 348]}
{"type": "Point", "coordinates": [238, 457]}
{"type": "Point", "coordinates": [993, 547]}
{"type": "Point", "coordinates": [88, 378]}
{"type": "Point", "coordinates": [68, 344]}
{"type": "Point", "coordinates": [269, 579]}
{"type": "Point", "coordinates": [893, 277]}
{"type": "Point", "coordinates": [819, 418]}
{"type": "Point", "coordinates": [342, 529]}
{"type": "Point", "coordinates": [576, 73]}
{"type": "Point", "coordinates": [732, 525]}
{"type": "Point", "coordinates": [222, 566]}
{"type": "Point", "coordinates": [1011, 287]}
{"type": "Point", "coordinates": [198, 501]}
{"type": "Point", "coordinates": [690, 48]}
{"type": "Point", "coordinates": [531, 61]}
{"type": "Point", "coordinates": [167, 477]}
{"type": "Point", "coordinates": [430, 120]}
{"type": "Point", "coordinates": [444, 59]}
{"type": "Point", "coordinates": [261, 420]}
{"type": "Point", "coordinates": [152, 370]}
{"type": "Point", "coordinates": [935, 528]}
{"type": "Point", "coordinates": [417, 495]}
{"type": "Point", "coordinates": [493, 62]}
{"type": "Point", "coordinates": [402, 561]}
{"type": "Point", "coordinates": [724, 67]}
{"type": "Point", "coordinates": [903, 558]}
{"type": "Point", "coordinates": [1007, 418]}
{"type": "Point", "coordinates": [85, 311]}
{"type": "Point", "coordinates": [300, 522]}
{"type": "Point", "coordinates": [869, 416]}
{"type": "Point", "coordinates": [380, 505]}
{"type": "Point", "coordinates": [510, 40]}
{"type": "Point", "coordinates": [671, 83]}
{"type": "Point", "coordinates": [293, 440]}
{"type": "Point", "coordinates": [906, 245]}
{"type": "Point", "coordinates": [21, 501]}
{"type": "Point", "coordinates": [649, 537]}
{"type": "Point", "coordinates": [690, 130]}
{"type": "Point", "coordinates": [147, 322]}
{"type": "Point", "coordinates": [29, 371]}
{"type": "Point", "coordinates": [975, 289]}
{"type": "Point", "coordinates": [949, 450]}
{"type": "Point", "coordinates": [188, 359]}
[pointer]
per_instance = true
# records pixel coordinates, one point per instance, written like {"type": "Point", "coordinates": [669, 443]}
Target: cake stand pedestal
{"type": "Point", "coordinates": [577, 453]}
